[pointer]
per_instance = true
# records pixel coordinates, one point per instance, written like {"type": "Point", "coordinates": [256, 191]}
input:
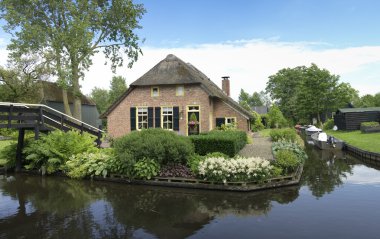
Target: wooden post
{"type": "Point", "coordinates": [20, 146]}
{"type": "Point", "coordinates": [10, 116]}
{"type": "Point", "coordinates": [98, 140]}
{"type": "Point", "coordinates": [37, 132]}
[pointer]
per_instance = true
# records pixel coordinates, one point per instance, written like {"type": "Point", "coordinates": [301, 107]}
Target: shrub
{"type": "Point", "coordinates": [227, 142]}
{"type": "Point", "coordinates": [329, 124]}
{"type": "Point", "coordinates": [146, 168]}
{"type": "Point", "coordinates": [275, 118]}
{"type": "Point", "coordinates": [256, 123]}
{"type": "Point", "coordinates": [294, 147]}
{"type": "Point", "coordinates": [163, 146]}
{"type": "Point", "coordinates": [236, 169]}
{"type": "Point", "coordinates": [287, 160]}
{"type": "Point", "coordinates": [370, 124]}
{"type": "Point", "coordinates": [53, 150]}
{"type": "Point", "coordinates": [283, 135]}
{"type": "Point", "coordinates": [89, 164]}
{"type": "Point", "coordinates": [194, 161]}
{"type": "Point", "coordinates": [8, 153]}
{"type": "Point", "coordinates": [176, 170]}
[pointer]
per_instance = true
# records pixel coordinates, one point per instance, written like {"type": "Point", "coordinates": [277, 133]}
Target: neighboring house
{"type": "Point", "coordinates": [351, 118]}
{"type": "Point", "coordinates": [51, 95]}
{"type": "Point", "coordinates": [260, 109]}
{"type": "Point", "coordinates": [174, 95]}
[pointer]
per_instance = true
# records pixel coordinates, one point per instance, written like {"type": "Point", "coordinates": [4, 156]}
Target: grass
{"type": "Point", "coordinates": [369, 142]}
{"type": "Point", "coordinates": [4, 143]}
{"type": "Point", "coordinates": [265, 132]}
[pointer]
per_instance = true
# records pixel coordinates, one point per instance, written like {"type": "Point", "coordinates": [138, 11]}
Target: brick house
{"type": "Point", "coordinates": [174, 95]}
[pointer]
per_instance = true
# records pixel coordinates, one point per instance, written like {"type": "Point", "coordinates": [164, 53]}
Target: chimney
{"type": "Point", "coordinates": [226, 85]}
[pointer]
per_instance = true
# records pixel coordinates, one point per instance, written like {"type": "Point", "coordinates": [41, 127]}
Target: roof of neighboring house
{"type": "Point", "coordinates": [350, 110]}
{"type": "Point", "coordinates": [174, 71]}
{"type": "Point", "coordinates": [260, 109]}
{"type": "Point", "coordinates": [52, 92]}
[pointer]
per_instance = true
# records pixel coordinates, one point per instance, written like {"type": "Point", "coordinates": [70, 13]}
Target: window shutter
{"type": "Point", "coordinates": [219, 122]}
{"type": "Point", "coordinates": [157, 117]}
{"type": "Point", "coordinates": [176, 118]}
{"type": "Point", "coordinates": [133, 118]}
{"type": "Point", "coordinates": [150, 117]}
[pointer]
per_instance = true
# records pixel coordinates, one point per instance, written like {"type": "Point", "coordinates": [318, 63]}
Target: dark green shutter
{"type": "Point", "coordinates": [176, 118]}
{"type": "Point", "coordinates": [157, 117]}
{"type": "Point", "coordinates": [133, 118]}
{"type": "Point", "coordinates": [150, 117]}
{"type": "Point", "coordinates": [219, 122]}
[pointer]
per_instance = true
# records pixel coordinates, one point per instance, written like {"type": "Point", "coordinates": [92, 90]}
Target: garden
{"type": "Point", "coordinates": [146, 154]}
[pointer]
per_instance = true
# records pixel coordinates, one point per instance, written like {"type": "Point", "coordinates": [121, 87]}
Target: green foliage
{"type": "Point", "coordinates": [101, 98]}
{"type": "Point", "coordinates": [256, 99]}
{"type": "Point", "coordinates": [69, 33]}
{"type": "Point", "coordinates": [8, 153]}
{"type": "Point", "coordinates": [228, 127]}
{"type": "Point", "coordinates": [193, 162]}
{"type": "Point", "coordinates": [53, 150]}
{"type": "Point", "coordinates": [227, 142]}
{"type": "Point", "coordinates": [294, 147]}
{"type": "Point", "coordinates": [368, 101]}
{"type": "Point", "coordinates": [329, 124]}
{"type": "Point", "coordinates": [146, 168]}
{"type": "Point", "coordinates": [256, 123]}
{"type": "Point", "coordinates": [287, 160]}
{"type": "Point", "coordinates": [286, 134]}
{"type": "Point", "coordinates": [306, 92]}
{"type": "Point", "coordinates": [89, 164]}
{"type": "Point", "coordinates": [118, 87]}
{"type": "Point", "coordinates": [275, 118]}
{"type": "Point", "coordinates": [370, 124]}
{"type": "Point", "coordinates": [163, 146]}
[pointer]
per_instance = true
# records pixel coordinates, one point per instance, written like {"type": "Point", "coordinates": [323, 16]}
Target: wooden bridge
{"type": "Point", "coordinates": [40, 118]}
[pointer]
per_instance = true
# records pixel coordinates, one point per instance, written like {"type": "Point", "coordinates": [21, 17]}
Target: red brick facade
{"type": "Point", "coordinates": [210, 108]}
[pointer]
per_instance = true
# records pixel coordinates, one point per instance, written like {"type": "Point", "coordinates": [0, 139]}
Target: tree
{"type": "Point", "coordinates": [118, 87]}
{"type": "Point", "coordinates": [71, 32]}
{"type": "Point", "coordinates": [256, 99]}
{"type": "Point", "coordinates": [101, 98]}
{"type": "Point", "coordinates": [19, 81]}
{"type": "Point", "coordinates": [275, 118]}
{"type": "Point", "coordinates": [306, 92]}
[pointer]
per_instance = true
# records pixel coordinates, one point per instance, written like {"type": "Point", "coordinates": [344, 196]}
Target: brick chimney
{"type": "Point", "coordinates": [226, 85]}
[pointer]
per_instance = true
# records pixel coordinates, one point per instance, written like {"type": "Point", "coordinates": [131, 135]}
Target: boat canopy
{"type": "Point", "coordinates": [313, 129]}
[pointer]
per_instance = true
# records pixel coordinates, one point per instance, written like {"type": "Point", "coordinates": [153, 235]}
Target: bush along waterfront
{"type": "Point", "coordinates": [158, 153]}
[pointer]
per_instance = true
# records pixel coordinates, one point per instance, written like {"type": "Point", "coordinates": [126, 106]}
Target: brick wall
{"type": "Point", "coordinates": [222, 110]}
{"type": "Point", "coordinates": [119, 118]}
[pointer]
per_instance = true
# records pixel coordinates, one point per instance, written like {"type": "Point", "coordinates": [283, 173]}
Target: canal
{"type": "Point", "coordinates": [337, 198]}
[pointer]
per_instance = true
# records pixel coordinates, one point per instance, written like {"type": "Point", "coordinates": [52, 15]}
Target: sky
{"type": "Point", "coordinates": [250, 40]}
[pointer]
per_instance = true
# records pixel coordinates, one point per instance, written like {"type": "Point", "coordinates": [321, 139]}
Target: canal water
{"type": "Point", "coordinates": [339, 197]}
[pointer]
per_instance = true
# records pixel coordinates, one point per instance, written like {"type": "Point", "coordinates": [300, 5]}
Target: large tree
{"type": "Point", "coordinates": [306, 92]}
{"type": "Point", "coordinates": [117, 88]}
{"type": "Point", "coordinates": [256, 99]}
{"type": "Point", "coordinates": [70, 32]}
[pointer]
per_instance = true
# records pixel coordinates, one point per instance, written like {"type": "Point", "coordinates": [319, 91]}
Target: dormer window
{"type": "Point", "coordinates": [180, 90]}
{"type": "Point", "coordinates": [155, 91]}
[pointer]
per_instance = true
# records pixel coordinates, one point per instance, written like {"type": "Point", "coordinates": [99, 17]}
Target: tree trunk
{"type": "Point", "coordinates": [66, 105]}
{"type": "Point", "coordinates": [77, 112]}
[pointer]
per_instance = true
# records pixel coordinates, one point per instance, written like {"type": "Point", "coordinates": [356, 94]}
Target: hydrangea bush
{"type": "Point", "coordinates": [236, 169]}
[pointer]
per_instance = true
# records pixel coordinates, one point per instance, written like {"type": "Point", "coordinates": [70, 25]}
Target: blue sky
{"type": "Point", "coordinates": [340, 23]}
{"type": "Point", "coordinates": [250, 40]}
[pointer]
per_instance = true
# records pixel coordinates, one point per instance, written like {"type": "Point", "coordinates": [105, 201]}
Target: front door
{"type": "Point", "coordinates": [193, 120]}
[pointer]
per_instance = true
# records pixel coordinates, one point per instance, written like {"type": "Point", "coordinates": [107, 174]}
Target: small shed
{"type": "Point", "coordinates": [351, 118]}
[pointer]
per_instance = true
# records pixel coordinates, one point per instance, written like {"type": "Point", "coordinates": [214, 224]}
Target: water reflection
{"type": "Point", "coordinates": [49, 207]}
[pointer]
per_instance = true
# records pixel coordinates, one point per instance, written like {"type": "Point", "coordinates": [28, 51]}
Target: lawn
{"type": "Point", "coordinates": [4, 143]}
{"type": "Point", "coordinates": [265, 132]}
{"type": "Point", "coordinates": [369, 142]}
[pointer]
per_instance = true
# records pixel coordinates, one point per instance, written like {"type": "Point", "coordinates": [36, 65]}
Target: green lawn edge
{"type": "Point", "coordinates": [365, 141]}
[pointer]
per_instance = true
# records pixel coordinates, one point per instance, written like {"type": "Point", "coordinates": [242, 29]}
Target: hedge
{"type": "Point", "coordinates": [227, 142]}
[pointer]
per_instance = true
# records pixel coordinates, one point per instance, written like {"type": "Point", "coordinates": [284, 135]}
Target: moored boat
{"type": "Point", "coordinates": [312, 130]}
{"type": "Point", "coordinates": [323, 141]}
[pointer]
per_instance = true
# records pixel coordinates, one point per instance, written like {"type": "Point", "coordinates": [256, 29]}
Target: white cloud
{"type": "Point", "coordinates": [250, 62]}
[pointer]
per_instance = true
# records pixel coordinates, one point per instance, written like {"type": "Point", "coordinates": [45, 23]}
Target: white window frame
{"type": "Point", "coordinates": [141, 112]}
{"type": "Point", "coordinates": [229, 118]}
{"type": "Point", "coordinates": [152, 91]}
{"type": "Point", "coordinates": [167, 111]}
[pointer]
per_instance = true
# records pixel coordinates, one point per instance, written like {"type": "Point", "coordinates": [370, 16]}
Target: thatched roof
{"type": "Point", "coordinates": [174, 71]}
{"type": "Point", "coordinates": [51, 92]}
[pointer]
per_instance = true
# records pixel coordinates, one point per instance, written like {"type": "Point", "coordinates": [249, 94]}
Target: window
{"type": "Point", "coordinates": [180, 90]}
{"type": "Point", "coordinates": [155, 91]}
{"type": "Point", "coordinates": [167, 118]}
{"type": "Point", "coordinates": [142, 118]}
{"type": "Point", "coordinates": [230, 121]}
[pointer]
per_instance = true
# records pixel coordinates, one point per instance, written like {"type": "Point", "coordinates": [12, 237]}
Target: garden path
{"type": "Point", "coordinates": [261, 147]}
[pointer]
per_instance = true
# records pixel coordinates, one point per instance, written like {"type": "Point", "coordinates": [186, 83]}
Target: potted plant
{"type": "Point", "coordinates": [370, 127]}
